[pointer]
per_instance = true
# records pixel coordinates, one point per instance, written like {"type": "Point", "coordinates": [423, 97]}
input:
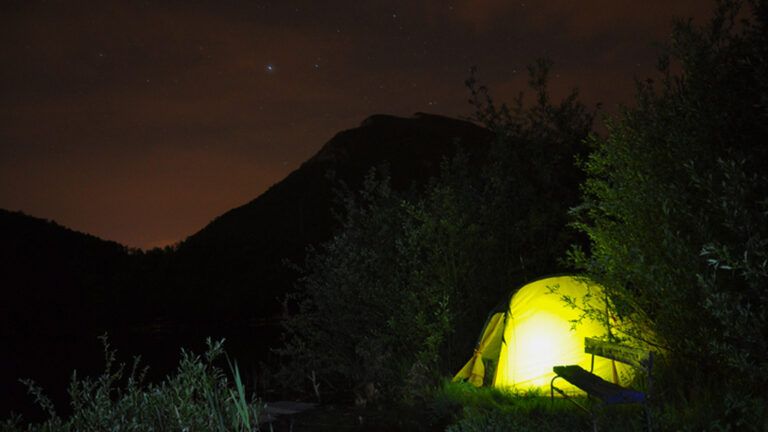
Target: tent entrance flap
{"type": "Point", "coordinates": [487, 350]}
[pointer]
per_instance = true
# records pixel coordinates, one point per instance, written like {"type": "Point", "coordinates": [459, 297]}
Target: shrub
{"type": "Point", "coordinates": [198, 397]}
{"type": "Point", "coordinates": [676, 209]}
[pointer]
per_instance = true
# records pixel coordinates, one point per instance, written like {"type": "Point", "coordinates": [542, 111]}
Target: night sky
{"type": "Point", "coordinates": [140, 122]}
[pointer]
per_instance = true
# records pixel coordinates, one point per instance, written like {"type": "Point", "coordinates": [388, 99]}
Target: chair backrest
{"type": "Point", "coordinates": [632, 356]}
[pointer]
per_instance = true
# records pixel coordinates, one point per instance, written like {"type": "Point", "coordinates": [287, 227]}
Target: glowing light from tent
{"type": "Point", "coordinates": [537, 347]}
{"type": "Point", "coordinates": [538, 335]}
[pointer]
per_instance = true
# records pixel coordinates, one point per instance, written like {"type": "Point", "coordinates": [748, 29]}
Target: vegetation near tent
{"type": "Point", "coordinates": [396, 298]}
{"type": "Point", "coordinates": [676, 209]}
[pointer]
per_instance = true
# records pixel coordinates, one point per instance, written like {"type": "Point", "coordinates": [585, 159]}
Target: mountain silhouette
{"type": "Point", "coordinates": [62, 288]}
{"type": "Point", "coordinates": [58, 288]}
{"type": "Point", "coordinates": [241, 255]}
{"type": "Point", "coordinates": [49, 271]}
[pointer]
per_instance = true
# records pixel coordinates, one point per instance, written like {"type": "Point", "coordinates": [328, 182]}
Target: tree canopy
{"type": "Point", "coordinates": [676, 205]}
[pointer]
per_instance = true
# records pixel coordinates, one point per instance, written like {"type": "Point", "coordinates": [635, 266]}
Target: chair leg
{"type": "Point", "coordinates": [648, 417]}
{"type": "Point", "coordinates": [552, 390]}
{"type": "Point", "coordinates": [596, 410]}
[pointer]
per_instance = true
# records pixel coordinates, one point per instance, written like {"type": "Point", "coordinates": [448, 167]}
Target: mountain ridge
{"type": "Point", "coordinates": [62, 288]}
{"type": "Point", "coordinates": [337, 151]}
{"type": "Point", "coordinates": [297, 211]}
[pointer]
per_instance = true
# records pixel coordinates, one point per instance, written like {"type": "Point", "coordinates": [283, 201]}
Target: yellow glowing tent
{"type": "Point", "coordinates": [535, 331]}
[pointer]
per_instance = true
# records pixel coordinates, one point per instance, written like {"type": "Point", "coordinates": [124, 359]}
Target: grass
{"type": "Point", "coordinates": [198, 397]}
{"type": "Point", "coordinates": [491, 409]}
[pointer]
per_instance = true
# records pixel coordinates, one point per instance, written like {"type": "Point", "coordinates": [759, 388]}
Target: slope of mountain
{"type": "Point", "coordinates": [233, 269]}
{"type": "Point", "coordinates": [241, 256]}
{"type": "Point", "coordinates": [61, 288]}
{"type": "Point", "coordinates": [48, 270]}
{"type": "Point", "coordinates": [59, 291]}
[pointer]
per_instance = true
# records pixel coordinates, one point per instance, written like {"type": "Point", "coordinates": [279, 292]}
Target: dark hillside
{"type": "Point", "coordinates": [62, 288]}
{"type": "Point", "coordinates": [49, 270]}
{"type": "Point", "coordinates": [241, 255]}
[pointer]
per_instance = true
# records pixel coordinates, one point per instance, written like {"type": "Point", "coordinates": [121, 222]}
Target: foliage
{"type": "Point", "coordinates": [396, 298]}
{"type": "Point", "coordinates": [197, 397]}
{"type": "Point", "coordinates": [362, 318]}
{"type": "Point", "coordinates": [676, 206]}
{"type": "Point", "coordinates": [531, 178]}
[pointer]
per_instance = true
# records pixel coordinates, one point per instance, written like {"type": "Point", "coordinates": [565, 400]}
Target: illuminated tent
{"type": "Point", "coordinates": [535, 331]}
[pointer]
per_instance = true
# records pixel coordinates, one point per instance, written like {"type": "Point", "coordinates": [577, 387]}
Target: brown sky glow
{"type": "Point", "coordinates": [141, 121]}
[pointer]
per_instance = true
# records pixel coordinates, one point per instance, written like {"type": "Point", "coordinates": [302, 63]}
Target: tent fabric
{"type": "Point", "coordinates": [488, 349]}
{"type": "Point", "coordinates": [536, 332]}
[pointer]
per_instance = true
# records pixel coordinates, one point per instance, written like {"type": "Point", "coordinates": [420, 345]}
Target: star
{"type": "Point", "coordinates": [270, 68]}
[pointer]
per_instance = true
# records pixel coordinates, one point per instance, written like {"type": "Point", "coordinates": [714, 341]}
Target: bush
{"type": "Point", "coordinates": [363, 328]}
{"type": "Point", "coordinates": [198, 397]}
{"type": "Point", "coordinates": [676, 209]}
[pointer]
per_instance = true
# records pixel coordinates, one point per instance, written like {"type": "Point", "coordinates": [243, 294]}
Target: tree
{"type": "Point", "coordinates": [676, 206]}
{"type": "Point", "coordinates": [356, 326]}
{"type": "Point", "coordinates": [398, 296]}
